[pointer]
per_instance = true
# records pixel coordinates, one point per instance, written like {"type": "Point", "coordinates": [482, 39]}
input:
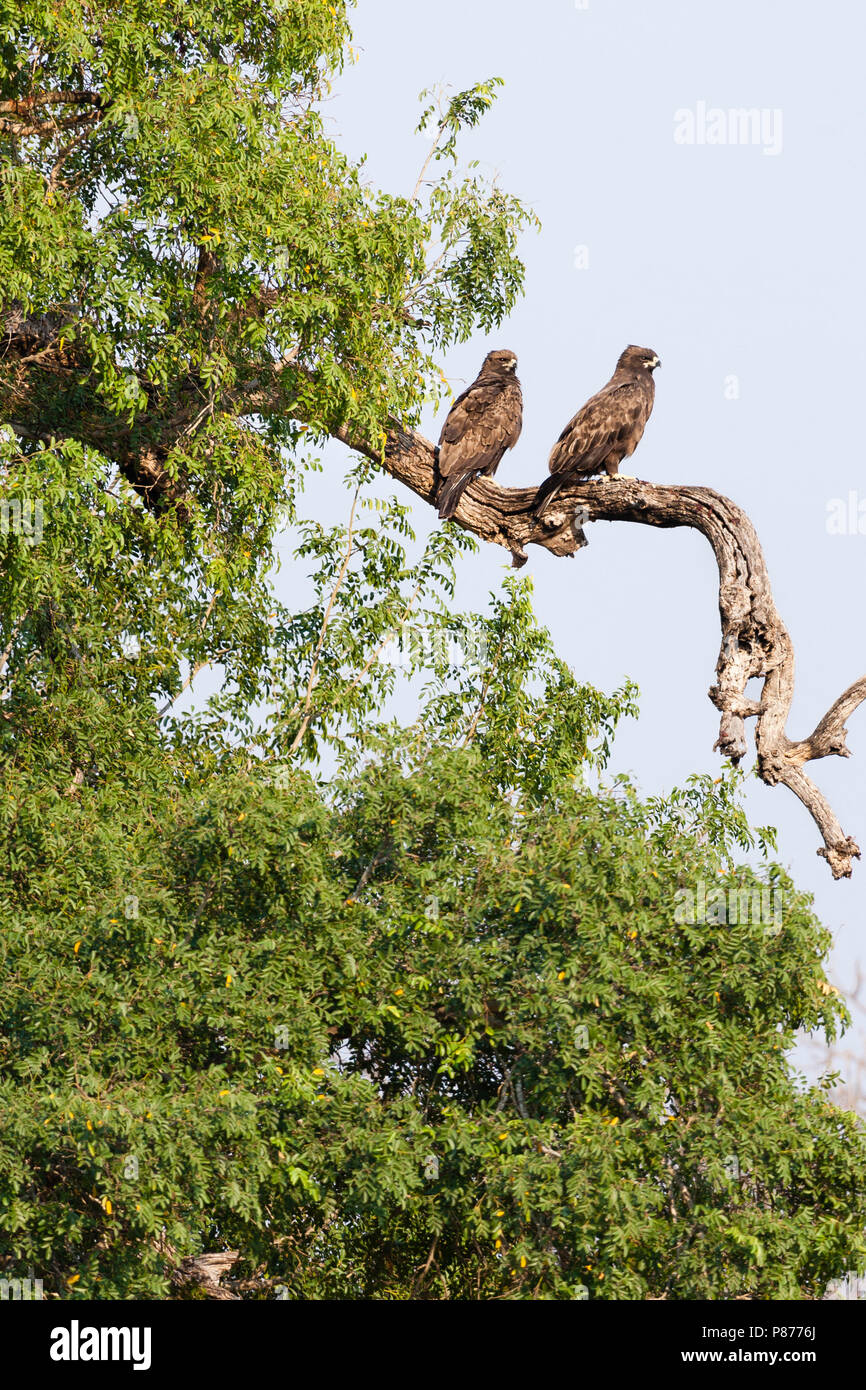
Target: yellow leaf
{"type": "Point", "coordinates": [106, 1202]}
{"type": "Point", "coordinates": [228, 980]}
{"type": "Point", "coordinates": [73, 1279]}
{"type": "Point", "coordinates": [75, 948]}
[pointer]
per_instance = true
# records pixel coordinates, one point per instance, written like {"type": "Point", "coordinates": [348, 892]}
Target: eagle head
{"type": "Point", "coordinates": [501, 360]}
{"type": "Point", "coordinates": [636, 359]}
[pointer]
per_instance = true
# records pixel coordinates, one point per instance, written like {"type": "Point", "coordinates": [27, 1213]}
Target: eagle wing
{"type": "Point", "coordinates": [608, 420]}
{"type": "Point", "coordinates": [482, 423]}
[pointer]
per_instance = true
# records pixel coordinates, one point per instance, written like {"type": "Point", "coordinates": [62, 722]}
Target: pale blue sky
{"type": "Point", "coordinates": [726, 260]}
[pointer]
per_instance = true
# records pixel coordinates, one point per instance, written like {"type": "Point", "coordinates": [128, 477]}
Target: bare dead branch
{"type": "Point", "coordinates": [755, 642]}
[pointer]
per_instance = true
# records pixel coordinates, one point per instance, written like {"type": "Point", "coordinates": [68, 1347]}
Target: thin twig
{"type": "Point", "coordinates": [470, 732]}
{"type": "Point", "coordinates": [7, 650]}
{"type": "Point", "coordinates": [199, 666]}
{"type": "Point", "coordinates": [308, 699]}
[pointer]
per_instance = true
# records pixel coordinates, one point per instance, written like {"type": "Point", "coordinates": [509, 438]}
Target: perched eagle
{"type": "Point", "coordinates": [607, 429]}
{"type": "Point", "coordinates": [482, 423]}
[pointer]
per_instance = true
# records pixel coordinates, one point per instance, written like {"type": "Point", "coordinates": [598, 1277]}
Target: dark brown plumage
{"type": "Point", "coordinates": [607, 429]}
{"type": "Point", "coordinates": [482, 423]}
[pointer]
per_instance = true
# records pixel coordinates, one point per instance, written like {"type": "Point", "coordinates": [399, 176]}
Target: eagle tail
{"type": "Point", "coordinates": [546, 493]}
{"type": "Point", "coordinates": [450, 492]}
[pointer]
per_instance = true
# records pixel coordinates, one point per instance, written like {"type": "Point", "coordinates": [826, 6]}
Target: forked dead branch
{"type": "Point", "coordinates": [755, 642]}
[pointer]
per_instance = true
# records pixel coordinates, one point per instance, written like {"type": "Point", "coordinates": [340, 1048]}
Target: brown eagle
{"type": "Point", "coordinates": [607, 429]}
{"type": "Point", "coordinates": [484, 421]}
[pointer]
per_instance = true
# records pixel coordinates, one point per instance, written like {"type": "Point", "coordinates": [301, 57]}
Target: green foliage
{"type": "Point", "coordinates": [435, 1025]}
{"type": "Point", "coordinates": [529, 718]}
{"type": "Point", "coordinates": [406, 1036]}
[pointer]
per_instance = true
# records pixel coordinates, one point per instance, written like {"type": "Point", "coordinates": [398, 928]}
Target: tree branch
{"type": "Point", "coordinates": [755, 642]}
{"type": "Point", "coordinates": [26, 109]}
{"type": "Point", "coordinates": [23, 106]}
{"type": "Point", "coordinates": [200, 1272]}
{"type": "Point", "coordinates": [50, 127]}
